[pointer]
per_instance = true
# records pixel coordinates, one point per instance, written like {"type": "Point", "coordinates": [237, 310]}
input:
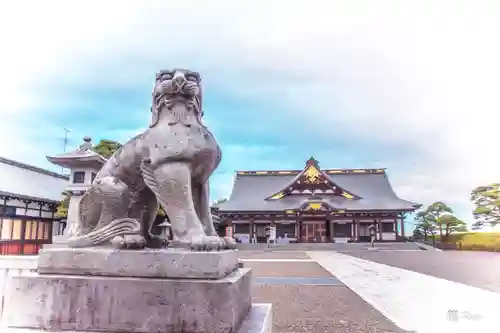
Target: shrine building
{"type": "Point", "coordinates": [28, 200]}
{"type": "Point", "coordinates": [315, 205]}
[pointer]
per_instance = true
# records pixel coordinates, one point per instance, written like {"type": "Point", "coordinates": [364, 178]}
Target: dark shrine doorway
{"type": "Point", "coordinates": [314, 232]}
{"type": "Point", "coordinates": [342, 229]}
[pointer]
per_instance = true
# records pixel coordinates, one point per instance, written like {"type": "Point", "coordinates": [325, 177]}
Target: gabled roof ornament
{"type": "Point", "coordinates": [312, 180]}
{"type": "Point", "coordinates": [311, 173]}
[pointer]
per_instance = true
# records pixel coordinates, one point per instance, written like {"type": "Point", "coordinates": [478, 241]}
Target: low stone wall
{"type": "Point", "coordinates": [14, 266]}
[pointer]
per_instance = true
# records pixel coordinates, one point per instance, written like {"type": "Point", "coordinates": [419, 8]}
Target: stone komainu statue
{"type": "Point", "coordinates": [169, 163]}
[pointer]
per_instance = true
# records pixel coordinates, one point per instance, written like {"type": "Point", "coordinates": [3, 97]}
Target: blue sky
{"type": "Point", "coordinates": [411, 86]}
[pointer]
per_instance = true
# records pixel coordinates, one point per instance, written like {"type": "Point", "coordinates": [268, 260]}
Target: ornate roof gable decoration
{"type": "Point", "coordinates": [318, 204]}
{"type": "Point", "coordinates": [312, 181]}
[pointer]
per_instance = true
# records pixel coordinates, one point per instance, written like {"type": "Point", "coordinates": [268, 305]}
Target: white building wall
{"type": "Point", "coordinates": [388, 236]}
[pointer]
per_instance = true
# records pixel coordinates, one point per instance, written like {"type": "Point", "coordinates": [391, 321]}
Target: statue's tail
{"type": "Point", "coordinates": [118, 227]}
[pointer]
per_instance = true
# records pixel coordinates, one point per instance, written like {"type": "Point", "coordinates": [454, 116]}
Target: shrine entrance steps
{"type": "Point", "coordinates": [396, 246]}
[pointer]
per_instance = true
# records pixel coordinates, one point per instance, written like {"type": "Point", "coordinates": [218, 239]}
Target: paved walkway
{"type": "Point", "coordinates": [306, 298]}
{"type": "Point", "coordinates": [414, 301]}
{"type": "Point", "coordinates": [473, 268]}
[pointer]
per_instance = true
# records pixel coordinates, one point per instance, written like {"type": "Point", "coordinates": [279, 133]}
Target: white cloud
{"type": "Point", "coordinates": [424, 74]}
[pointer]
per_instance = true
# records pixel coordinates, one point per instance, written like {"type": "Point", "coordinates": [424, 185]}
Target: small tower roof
{"type": "Point", "coordinates": [83, 156]}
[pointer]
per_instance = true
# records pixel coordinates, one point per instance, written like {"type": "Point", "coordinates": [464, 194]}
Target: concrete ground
{"type": "Point", "coordinates": [273, 255]}
{"type": "Point", "coordinates": [474, 268]}
{"type": "Point", "coordinates": [390, 290]}
{"type": "Point", "coordinates": [415, 301]}
{"type": "Point", "coordinates": [306, 307]}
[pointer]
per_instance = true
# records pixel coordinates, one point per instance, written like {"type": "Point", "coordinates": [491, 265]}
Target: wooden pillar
{"type": "Point", "coordinates": [22, 239]}
{"type": "Point", "coordinates": [273, 224]}
{"type": "Point", "coordinates": [354, 226]}
{"type": "Point", "coordinates": [328, 227]}
{"type": "Point", "coordinates": [395, 228]}
{"type": "Point", "coordinates": [332, 229]}
{"type": "Point", "coordinates": [402, 227]}
{"type": "Point", "coordinates": [296, 228]}
{"type": "Point", "coordinates": [356, 231]}
{"type": "Point", "coordinates": [251, 231]}
{"type": "Point", "coordinates": [299, 233]}
{"type": "Point", "coordinates": [353, 231]}
{"type": "Point", "coordinates": [379, 222]}
{"type": "Point", "coordinates": [229, 223]}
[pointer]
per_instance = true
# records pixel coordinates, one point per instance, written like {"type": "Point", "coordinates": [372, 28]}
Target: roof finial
{"type": "Point", "coordinates": [312, 161]}
{"type": "Point", "coordinates": [87, 143]}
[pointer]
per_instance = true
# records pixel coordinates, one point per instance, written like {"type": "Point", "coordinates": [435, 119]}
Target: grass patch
{"type": "Point", "coordinates": [475, 241]}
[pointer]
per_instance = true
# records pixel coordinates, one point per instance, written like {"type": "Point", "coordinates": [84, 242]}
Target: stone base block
{"type": "Point", "coordinates": [132, 305]}
{"type": "Point", "coordinates": [258, 320]}
{"type": "Point", "coordinates": [153, 263]}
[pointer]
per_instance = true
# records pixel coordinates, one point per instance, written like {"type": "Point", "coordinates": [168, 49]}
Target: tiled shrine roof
{"type": "Point", "coordinates": [342, 189]}
{"type": "Point", "coordinates": [29, 182]}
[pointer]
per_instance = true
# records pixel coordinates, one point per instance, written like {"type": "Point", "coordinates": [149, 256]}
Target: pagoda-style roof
{"type": "Point", "coordinates": [83, 156]}
{"type": "Point", "coordinates": [313, 188]}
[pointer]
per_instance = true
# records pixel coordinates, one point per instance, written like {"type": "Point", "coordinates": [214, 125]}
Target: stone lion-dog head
{"type": "Point", "coordinates": [174, 86]}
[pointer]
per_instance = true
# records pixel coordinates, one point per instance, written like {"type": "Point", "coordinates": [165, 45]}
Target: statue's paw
{"type": "Point", "coordinates": [207, 243]}
{"type": "Point", "coordinates": [134, 242]}
{"type": "Point", "coordinates": [118, 242]}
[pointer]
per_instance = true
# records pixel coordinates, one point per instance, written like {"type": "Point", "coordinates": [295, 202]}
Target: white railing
{"type": "Point", "coordinates": [14, 266]}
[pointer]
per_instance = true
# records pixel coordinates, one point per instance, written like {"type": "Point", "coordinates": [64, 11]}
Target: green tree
{"type": "Point", "coordinates": [424, 225]}
{"type": "Point", "coordinates": [106, 147]}
{"type": "Point", "coordinates": [434, 213]}
{"type": "Point", "coordinates": [417, 234]}
{"type": "Point", "coordinates": [451, 224]}
{"type": "Point", "coordinates": [438, 216]}
{"type": "Point", "coordinates": [62, 208]}
{"type": "Point", "coordinates": [487, 202]}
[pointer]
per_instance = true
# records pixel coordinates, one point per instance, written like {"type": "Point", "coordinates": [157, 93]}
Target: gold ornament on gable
{"type": "Point", "coordinates": [312, 175]}
{"type": "Point", "coordinates": [315, 205]}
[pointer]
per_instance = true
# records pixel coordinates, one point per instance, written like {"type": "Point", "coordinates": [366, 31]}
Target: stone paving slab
{"type": "Point", "coordinates": [474, 268]}
{"type": "Point", "coordinates": [272, 255]}
{"type": "Point", "coordinates": [415, 301]}
{"type": "Point", "coordinates": [297, 281]}
{"type": "Point", "coordinates": [321, 309]}
{"type": "Point", "coordinates": [287, 269]}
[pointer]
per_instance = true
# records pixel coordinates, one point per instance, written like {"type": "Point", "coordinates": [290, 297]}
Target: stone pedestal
{"type": "Point", "coordinates": [164, 263]}
{"type": "Point", "coordinates": [106, 290]}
